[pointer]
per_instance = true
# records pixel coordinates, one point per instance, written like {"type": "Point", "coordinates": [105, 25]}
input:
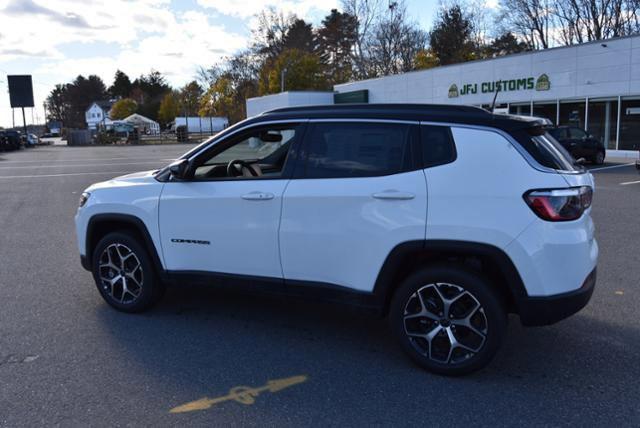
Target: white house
{"type": "Point", "coordinates": [98, 114]}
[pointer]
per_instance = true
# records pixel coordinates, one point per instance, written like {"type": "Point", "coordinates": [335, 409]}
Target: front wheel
{"type": "Point", "coordinates": [598, 159]}
{"type": "Point", "coordinates": [124, 274]}
{"type": "Point", "coordinates": [448, 319]}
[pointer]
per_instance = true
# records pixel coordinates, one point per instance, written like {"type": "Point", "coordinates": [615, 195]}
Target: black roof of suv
{"type": "Point", "coordinates": [415, 112]}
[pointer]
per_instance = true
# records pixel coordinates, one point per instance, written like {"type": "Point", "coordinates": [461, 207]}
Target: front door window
{"type": "Point", "coordinates": [260, 153]}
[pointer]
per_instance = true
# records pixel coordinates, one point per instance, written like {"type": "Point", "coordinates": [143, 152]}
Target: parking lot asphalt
{"type": "Point", "coordinates": [67, 359]}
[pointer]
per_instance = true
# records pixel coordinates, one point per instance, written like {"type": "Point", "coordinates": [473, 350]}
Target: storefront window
{"type": "Point", "coordinates": [630, 125]}
{"type": "Point", "coordinates": [602, 121]}
{"type": "Point", "coordinates": [546, 110]}
{"type": "Point", "coordinates": [572, 114]}
{"type": "Point", "coordinates": [520, 109]}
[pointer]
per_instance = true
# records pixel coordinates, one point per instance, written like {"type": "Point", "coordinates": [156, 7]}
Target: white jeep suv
{"type": "Point", "coordinates": [444, 218]}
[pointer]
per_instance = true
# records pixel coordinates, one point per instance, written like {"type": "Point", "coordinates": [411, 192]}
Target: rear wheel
{"type": "Point", "coordinates": [124, 274]}
{"type": "Point", "coordinates": [598, 159]}
{"type": "Point", "coordinates": [448, 319]}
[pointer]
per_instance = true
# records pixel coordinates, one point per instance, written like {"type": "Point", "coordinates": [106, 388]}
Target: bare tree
{"type": "Point", "coordinates": [270, 34]}
{"type": "Point", "coordinates": [545, 23]}
{"type": "Point", "coordinates": [396, 41]}
{"type": "Point", "coordinates": [530, 19]}
{"type": "Point", "coordinates": [367, 13]}
{"type": "Point", "coordinates": [581, 21]}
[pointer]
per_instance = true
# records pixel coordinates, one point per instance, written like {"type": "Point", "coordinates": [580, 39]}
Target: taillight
{"type": "Point", "coordinates": [559, 204]}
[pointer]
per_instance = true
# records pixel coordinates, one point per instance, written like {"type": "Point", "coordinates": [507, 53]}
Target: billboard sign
{"type": "Point", "coordinates": [20, 91]}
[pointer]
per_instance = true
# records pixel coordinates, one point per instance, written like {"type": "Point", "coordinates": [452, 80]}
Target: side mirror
{"type": "Point", "coordinates": [268, 137]}
{"type": "Point", "coordinates": [179, 169]}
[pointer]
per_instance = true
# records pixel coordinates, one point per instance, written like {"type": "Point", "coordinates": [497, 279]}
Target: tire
{"type": "Point", "coordinates": [598, 158]}
{"type": "Point", "coordinates": [476, 319]}
{"type": "Point", "coordinates": [137, 273]}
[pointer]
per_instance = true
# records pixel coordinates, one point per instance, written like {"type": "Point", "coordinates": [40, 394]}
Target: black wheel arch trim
{"type": "Point", "coordinates": [384, 286]}
{"type": "Point", "coordinates": [131, 220]}
{"type": "Point", "coordinates": [532, 310]}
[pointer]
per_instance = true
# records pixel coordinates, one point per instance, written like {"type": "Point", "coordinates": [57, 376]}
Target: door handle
{"type": "Point", "coordinates": [258, 196]}
{"type": "Point", "coordinates": [393, 195]}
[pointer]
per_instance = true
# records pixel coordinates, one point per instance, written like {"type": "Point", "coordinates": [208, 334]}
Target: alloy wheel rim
{"type": "Point", "coordinates": [445, 323]}
{"type": "Point", "coordinates": [120, 272]}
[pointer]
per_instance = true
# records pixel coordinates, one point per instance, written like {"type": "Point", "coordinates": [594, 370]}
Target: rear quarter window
{"type": "Point", "coordinates": [545, 150]}
{"type": "Point", "coordinates": [437, 144]}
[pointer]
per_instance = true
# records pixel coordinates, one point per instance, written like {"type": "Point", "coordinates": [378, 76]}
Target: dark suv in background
{"type": "Point", "coordinates": [10, 140]}
{"type": "Point", "coordinates": [579, 143]}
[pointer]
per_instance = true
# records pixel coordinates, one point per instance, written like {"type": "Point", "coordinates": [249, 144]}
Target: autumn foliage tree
{"type": "Point", "coordinates": [169, 108]}
{"type": "Point", "coordinates": [123, 108]}
{"type": "Point", "coordinates": [424, 60]}
{"type": "Point", "coordinates": [302, 71]}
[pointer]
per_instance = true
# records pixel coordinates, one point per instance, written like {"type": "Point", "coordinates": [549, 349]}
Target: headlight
{"type": "Point", "coordinates": [84, 198]}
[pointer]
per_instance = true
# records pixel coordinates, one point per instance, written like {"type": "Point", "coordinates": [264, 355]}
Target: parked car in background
{"type": "Point", "coordinates": [12, 140]}
{"type": "Point", "coordinates": [32, 140]}
{"type": "Point", "coordinates": [580, 144]}
{"type": "Point", "coordinates": [4, 144]}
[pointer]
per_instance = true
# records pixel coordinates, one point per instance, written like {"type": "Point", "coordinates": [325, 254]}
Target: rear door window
{"type": "Point", "coordinates": [358, 149]}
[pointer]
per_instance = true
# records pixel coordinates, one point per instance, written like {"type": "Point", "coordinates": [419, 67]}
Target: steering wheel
{"type": "Point", "coordinates": [232, 171]}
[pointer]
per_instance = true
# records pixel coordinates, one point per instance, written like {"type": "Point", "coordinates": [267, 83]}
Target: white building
{"type": "Point", "coordinates": [595, 86]}
{"type": "Point", "coordinates": [258, 105]}
{"type": "Point", "coordinates": [98, 114]}
{"type": "Point", "coordinates": [202, 124]}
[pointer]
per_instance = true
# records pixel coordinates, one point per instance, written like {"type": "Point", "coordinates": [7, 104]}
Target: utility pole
{"type": "Point", "coordinates": [24, 122]}
{"type": "Point", "coordinates": [283, 73]}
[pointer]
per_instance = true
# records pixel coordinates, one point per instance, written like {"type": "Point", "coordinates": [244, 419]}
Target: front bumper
{"type": "Point", "coordinates": [84, 261]}
{"type": "Point", "coordinates": [537, 311]}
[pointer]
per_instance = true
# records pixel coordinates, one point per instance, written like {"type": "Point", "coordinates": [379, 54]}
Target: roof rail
{"type": "Point", "coordinates": [422, 108]}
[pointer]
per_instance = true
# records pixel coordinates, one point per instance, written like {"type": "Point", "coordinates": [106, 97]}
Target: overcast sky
{"type": "Point", "coordinates": [55, 40]}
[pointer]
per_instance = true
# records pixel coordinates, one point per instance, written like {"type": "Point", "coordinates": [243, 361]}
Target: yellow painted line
{"type": "Point", "coordinates": [242, 394]}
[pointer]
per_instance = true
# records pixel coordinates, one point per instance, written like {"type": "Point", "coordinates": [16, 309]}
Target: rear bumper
{"type": "Point", "coordinates": [537, 311]}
